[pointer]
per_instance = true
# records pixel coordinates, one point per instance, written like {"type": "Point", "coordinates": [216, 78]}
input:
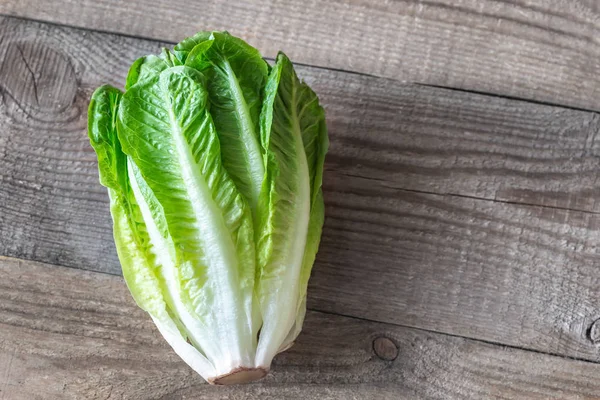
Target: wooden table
{"type": "Point", "coordinates": [459, 256]}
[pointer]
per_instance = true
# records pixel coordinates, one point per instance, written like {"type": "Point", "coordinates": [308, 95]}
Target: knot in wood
{"type": "Point", "coordinates": [38, 77]}
{"type": "Point", "coordinates": [594, 332]}
{"type": "Point", "coordinates": [385, 349]}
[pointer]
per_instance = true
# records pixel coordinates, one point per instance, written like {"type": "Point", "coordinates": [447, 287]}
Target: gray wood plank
{"type": "Point", "coordinates": [72, 334]}
{"type": "Point", "coordinates": [518, 275]}
{"type": "Point", "coordinates": [509, 273]}
{"type": "Point", "coordinates": [542, 50]}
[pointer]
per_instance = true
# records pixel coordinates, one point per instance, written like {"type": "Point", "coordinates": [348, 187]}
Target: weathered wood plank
{"type": "Point", "coordinates": [71, 334]}
{"type": "Point", "coordinates": [518, 275]}
{"type": "Point", "coordinates": [542, 50]}
{"type": "Point", "coordinates": [513, 274]}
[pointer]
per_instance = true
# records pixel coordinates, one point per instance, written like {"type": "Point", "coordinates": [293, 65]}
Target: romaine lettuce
{"type": "Point", "coordinates": [213, 162]}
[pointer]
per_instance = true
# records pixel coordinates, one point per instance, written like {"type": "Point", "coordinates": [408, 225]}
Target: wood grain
{"type": "Point", "coordinates": [515, 274]}
{"type": "Point", "coordinates": [542, 50]}
{"type": "Point", "coordinates": [72, 334]}
{"type": "Point", "coordinates": [518, 275]}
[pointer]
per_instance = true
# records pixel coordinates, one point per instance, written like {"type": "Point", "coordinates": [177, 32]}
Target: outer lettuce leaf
{"type": "Point", "coordinates": [316, 144]}
{"type": "Point", "coordinates": [129, 231]}
{"type": "Point", "coordinates": [315, 226]}
{"type": "Point", "coordinates": [294, 137]}
{"type": "Point", "coordinates": [141, 270]}
{"type": "Point", "coordinates": [165, 127]}
{"type": "Point", "coordinates": [103, 136]}
{"type": "Point", "coordinates": [236, 74]}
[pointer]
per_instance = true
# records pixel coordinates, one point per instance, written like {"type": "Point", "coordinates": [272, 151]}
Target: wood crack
{"type": "Point", "coordinates": [34, 80]}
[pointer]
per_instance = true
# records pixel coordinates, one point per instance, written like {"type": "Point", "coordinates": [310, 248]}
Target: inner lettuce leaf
{"type": "Point", "coordinates": [213, 162]}
{"type": "Point", "coordinates": [236, 75]}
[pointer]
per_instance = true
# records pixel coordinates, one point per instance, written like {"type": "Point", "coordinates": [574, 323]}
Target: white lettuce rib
{"type": "Point", "coordinates": [163, 251]}
{"type": "Point", "coordinates": [221, 262]}
{"type": "Point", "coordinates": [187, 352]}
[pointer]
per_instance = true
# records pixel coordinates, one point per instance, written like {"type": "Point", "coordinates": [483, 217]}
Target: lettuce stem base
{"type": "Point", "coordinates": [239, 375]}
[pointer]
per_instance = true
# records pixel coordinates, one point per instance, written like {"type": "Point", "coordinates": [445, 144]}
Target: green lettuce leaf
{"type": "Point", "coordinates": [130, 235]}
{"type": "Point", "coordinates": [165, 127]}
{"type": "Point", "coordinates": [236, 74]}
{"type": "Point", "coordinates": [183, 48]}
{"type": "Point", "coordinates": [170, 58]}
{"type": "Point", "coordinates": [144, 68]}
{"type": "Point", "coordinates": [142, 269]}
{"type": "Point", "coordinates": [293, 135]}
